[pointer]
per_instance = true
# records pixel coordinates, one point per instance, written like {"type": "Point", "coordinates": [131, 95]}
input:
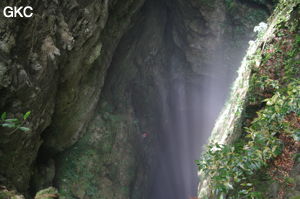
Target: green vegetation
{"type": "Point", "coordinates": [271, 124]}
{"type": "Point", "coordinates": [102, 164]}
{"type": "Point", "coordinates": [14, 123]}
{"type": "Point", "coordinates": [49, 193]}
{"type": "Point", "coordinates": [233, 165]}
{"type": "Point", "coordinates": [6, 194]}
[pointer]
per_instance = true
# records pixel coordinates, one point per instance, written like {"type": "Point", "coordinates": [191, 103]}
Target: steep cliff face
{"type": "Point", "coordinates": [54, 65]}
{"type": "Point", "coordinates": [172, 45]}
{"type": "Point", "coordinates": [254, 147]}
{"type": "Point", "coordinates": [101, 79]}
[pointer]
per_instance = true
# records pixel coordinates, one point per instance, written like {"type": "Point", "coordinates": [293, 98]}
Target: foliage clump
{"type": "Point", "coordinates": [49, 193]}
{"type": "Point", "coordinates": [14, 123]}
{"type": "Point", "coordinates": [272, 131]}
{"type": "Point", "coordinates": [7, 194]}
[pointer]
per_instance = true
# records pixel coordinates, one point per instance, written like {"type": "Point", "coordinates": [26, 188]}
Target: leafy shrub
{"type": "Point", "coordinates": [275, 88]}
{"type": "Point", "coordinates": [232, 166]}
{"type": "Point", "coordinates": [14, 123]}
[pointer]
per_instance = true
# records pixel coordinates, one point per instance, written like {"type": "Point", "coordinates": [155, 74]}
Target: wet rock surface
{"type": "Point", "coordinates": [96, 77]}
{"type": "Point", "coordinates": [54, 65]}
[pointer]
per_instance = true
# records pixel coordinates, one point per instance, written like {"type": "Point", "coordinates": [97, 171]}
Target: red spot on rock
{"type": "Point", "coordinates": [145, 134]}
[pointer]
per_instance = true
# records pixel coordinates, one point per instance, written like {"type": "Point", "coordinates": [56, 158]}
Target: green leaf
{"type": "Point", "coordinates": [3, 116]}
{"type": "Point", "coordinates": [26, 115]}
{"type": "Point", "coordinates": [25, 129]}
{"type": "Point", "coordinates": [228, 185]}
{"type": "Point", "coordinates": [11, 120]}
{"type": "Point", "coordinates": [9, 125]}
{"type": "Point", "coordinates": [222, 196]}
{"type": "Point", "coordinates": [296, 136]}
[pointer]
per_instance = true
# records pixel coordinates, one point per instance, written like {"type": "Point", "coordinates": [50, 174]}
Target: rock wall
{"type": "Point", "coordinates": [54, 65]}
{"type": "Point", "coordinates": [93, 97]}
{"type": "Point", "coordinates": [171, 44]}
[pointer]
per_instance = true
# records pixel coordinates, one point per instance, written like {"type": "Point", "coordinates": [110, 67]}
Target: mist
{"type": "Point", "coordinates": [188, 116]}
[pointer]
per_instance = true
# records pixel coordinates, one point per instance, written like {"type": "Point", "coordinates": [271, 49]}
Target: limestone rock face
{"type": "Point", "coordinates": [171, 44]}
{"type": "Point", "coordinates": [91, 72]}
{"type": "Point", "coordinates": [54, 65]}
